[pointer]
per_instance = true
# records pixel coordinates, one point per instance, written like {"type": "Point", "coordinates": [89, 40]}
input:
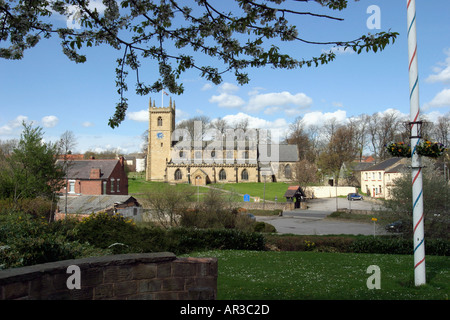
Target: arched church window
{"type": "Point", "coordinates": [244, 174]}
{"type": "Point", "coordinates": [288, 171]}
{"type": "Point", "coordinates": [159, 121]}
{"type": "Point", "coordinates": [178, 175]}
{"type": "Point", "coordinates": [222, 175]}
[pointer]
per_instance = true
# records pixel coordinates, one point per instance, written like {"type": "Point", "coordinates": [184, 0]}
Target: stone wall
{"type": "Point", "coordinates": [148, 276]}
{"type": "Point", "coordinates": [267, 206]}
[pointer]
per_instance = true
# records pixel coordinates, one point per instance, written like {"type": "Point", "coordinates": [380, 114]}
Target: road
{"type": "Point", "coordinates": [311, 221]}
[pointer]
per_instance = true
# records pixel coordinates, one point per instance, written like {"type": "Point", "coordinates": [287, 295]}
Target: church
{"type": "Point", "coordinates": [178, 156]}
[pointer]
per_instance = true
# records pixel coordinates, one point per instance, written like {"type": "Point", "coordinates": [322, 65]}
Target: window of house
{"type": "Point", "coordinates": [159, 121]}
{"type": "Point", "coordinates": [118, 185]}
{"type": "Point", "coordinates": [71, 186]}
{"type": "Point", "coordinates": [367, 176]}
{"type": "Point", "coordinates": [178, 175]}
{"type": "Point", "coordinates": [379, 175]}
{"type": "Point", "coordinates": [104, 187]}
{"type": "Point", "coordinates": [112, 184]}
{"type": "Point", "coordinates": [244, 174]}
{"type": "Point", "coordinates": [222, 175]}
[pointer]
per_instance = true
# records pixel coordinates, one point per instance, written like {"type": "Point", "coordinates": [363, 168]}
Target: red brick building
{"type": "Point", "coordinates": [96, 177]}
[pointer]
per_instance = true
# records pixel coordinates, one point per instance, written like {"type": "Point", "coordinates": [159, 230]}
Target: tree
{"type": "Point", "coordinates": [340, 149]}
{"type": "Point", "coordinates": [196, 126]}
{"type": "Point", "coordinates": [67, 142]}
{"type": "Point", "coordinates": [31, 170]}
{"type": "Point", "coordinates": [239, 35]}
{"type": "Point", "coordinates": [167, 204]}
{"type": "Point", "coordinates": [383, 129]}
{"type": "Point", "coordinates": [436, 195]}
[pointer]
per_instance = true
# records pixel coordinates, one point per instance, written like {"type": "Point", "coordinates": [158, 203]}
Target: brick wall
{"type": "Point", "coordinates": [148, 276]}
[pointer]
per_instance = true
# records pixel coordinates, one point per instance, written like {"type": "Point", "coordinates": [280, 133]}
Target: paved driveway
{"type": "Point", "coordinates": [311, 221]}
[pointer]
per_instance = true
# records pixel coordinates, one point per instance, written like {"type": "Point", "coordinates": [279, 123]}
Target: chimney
{"type": "Point", "coordinates": [95, 173]}
{"type": "Point", "coordinates": [121, 160]}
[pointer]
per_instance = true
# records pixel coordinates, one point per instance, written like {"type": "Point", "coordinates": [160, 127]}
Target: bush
{"type": "Point", "coordinates": [37, 207]}
{"type": "Point", "coordinates": [103, 230]}
{"type": "Point", "coordinates": [186, 240]}
{"type": "Point", "coordinates": [399, 246]}
{"type": "Point", "coordinates": [309, 243]}
{"type": "Point", "coordinates": [261, 226]}
{"type": "Point", "coordinates": [26, 240]}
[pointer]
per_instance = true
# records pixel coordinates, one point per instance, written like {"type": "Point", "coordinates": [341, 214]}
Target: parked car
{"type": "Point", "coordinates": [396, 226]}
{"type": "Point", "coordinates": [354, 196]}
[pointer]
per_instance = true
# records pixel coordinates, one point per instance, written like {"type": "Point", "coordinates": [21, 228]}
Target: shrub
{"type": "Point", "coordinates": [27, 240]}
{"type": "Point", "coordinates": [185, 240]}
{"type": "Point", "coordinates": [309, 243]}
{"type": "Point", "coordinates": [37, 207]}
{"type": "Point", "coordinates": [103, 230]}
{"type": "Point", "coordinates": [261, 226]}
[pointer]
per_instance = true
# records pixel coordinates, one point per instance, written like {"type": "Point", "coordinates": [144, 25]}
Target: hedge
{"type": "Point", "coordinates": [359, 244]}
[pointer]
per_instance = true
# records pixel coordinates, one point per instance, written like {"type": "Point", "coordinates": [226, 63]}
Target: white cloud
{"type": "Point", "coordinates": [319, 118]}
{"type": "Point", "coordinates": [277, 127]}
{"type": "Point", "coordinates": [258, 102]}
{"type": "Point", "coordinates": [49, 121]}
{"type": "Point", "coordinates": [10, 127]}
{"type": "Point", "coordinates": [442, 72]}
{"type": "Point", "coordinates": [182, 115]}
{"type": "Point", "coordinates": [140, 116]}
{"type": "Point", "coordinates": [206, 87]}
{"type": "Point", "coordinates": [87, 124]}
{"type": "Point", "coordinates": [226, 100]}
{"type": "Point", "coordinates": [442, 99]}
{"type": "Point", "coordinates": [227, 87]}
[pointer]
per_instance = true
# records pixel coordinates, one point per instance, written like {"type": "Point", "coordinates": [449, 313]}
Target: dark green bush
{"type": "Point", "coordinates": [103, 230]}
{"type": "Point", "coordinates": [382, 245]}
{"type": "Point", "coordinates": [27, 240]}
{"type": "Point", "coordinates": [359, 244]}
{"type": "Point", "coordinates": [300, 243]}
{"type": "Point", "coordinates": [186, 240]}
{"type": "Point", "coordinates": [261, 226]}
{"type": "Point", "coordinates": [37, 207]}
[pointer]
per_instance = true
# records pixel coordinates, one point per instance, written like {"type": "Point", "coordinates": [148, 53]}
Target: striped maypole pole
{"type": "Point", "coordinates": [417, 194]}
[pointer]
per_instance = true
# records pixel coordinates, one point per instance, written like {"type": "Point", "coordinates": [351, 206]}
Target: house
{"type": "Point", "coordinates": [83, 206]}
{"type": "Point", "coordinates": [95, 177]}
{"type": "Point", "coordinates": [350, 173]}
{"type": "Point", "coordinates": [135, 162]}
{"type": "Point", "coordinates": [378, 180]}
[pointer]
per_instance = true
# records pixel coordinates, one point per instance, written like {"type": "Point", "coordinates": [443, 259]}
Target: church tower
{"type": "Point", "coordinates": [161, 124]}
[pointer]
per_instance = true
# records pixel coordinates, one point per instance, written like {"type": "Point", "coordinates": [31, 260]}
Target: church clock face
{"type": "Point", "coordinates": [159, 135]}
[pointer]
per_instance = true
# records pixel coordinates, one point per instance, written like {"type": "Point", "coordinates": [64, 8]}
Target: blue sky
{"type": "Point", "coordinates": [59, 95]}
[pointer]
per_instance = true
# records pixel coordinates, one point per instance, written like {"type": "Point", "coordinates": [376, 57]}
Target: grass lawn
{"type": "Point", "coordinates": [270, 275]}
{"type": "Point", "coordinates": [138, 185]}
{"type": "Point", "coordinates": [256, 189]}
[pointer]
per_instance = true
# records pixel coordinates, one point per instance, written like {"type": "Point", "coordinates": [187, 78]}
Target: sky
{"type": "Point", "coordinates": [51, 91]}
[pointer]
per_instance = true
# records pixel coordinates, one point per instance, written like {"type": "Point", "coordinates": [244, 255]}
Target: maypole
{"type": "Point", "coordinates": [417, 191]}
